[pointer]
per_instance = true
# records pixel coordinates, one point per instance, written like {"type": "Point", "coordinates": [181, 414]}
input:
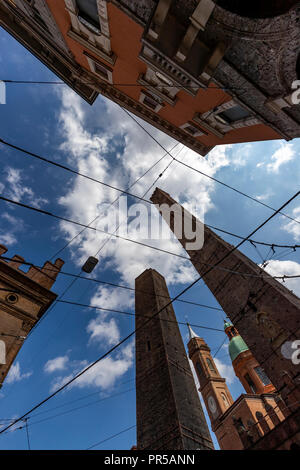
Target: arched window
{"type": "Point", "coordinates": [262, 375]}
{"type": "Point", "coordinates": [210, 365]}
{"type": "Point", "coordinates": [224, 398]}
{"type": "Point", "coordinates": [199, 370]}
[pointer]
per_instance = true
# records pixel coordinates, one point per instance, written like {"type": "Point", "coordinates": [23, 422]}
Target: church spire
{"type": "Point", "coordinates": [192, 334]}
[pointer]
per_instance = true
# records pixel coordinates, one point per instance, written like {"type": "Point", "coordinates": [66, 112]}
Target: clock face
{"type": "Point", "coordinates": [212, 404]}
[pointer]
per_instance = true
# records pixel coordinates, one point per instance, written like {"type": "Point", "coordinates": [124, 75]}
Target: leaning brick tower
{"type": "Point", "coordinates": [266, 314]}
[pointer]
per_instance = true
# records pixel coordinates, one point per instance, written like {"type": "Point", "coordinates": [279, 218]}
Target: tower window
{"type": "Point", "coordinates": [148, 345]}
{"type": "Point", "coordinates": [224, 398]}
{"type": "Point", "coordinates": [210, 365]}
{"type": "Point", "coordinates": [262, 375]}
{"type": "Point", "coordinates": [250, 383]}
{"type": "Point", "coordinates": [199, 370]}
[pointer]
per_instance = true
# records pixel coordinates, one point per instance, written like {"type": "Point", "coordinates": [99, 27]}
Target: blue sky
{"type": "Point", "coordinates": [102, 141]}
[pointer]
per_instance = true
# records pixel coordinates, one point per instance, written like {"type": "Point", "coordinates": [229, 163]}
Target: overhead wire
{"type": "Point", "coordinates": [204, 174]}
{"type": "Point", "coordinates": [117, 345]}
{"type": "Point", "coordinates": [35, 209]}
{"type": "Point", "coordinates": [124, 191]}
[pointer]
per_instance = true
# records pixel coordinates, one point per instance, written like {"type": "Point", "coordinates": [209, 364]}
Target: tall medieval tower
{"type": "Point", "coordinates": [24, 298]}
{"type": "Point", "coordinates": [169, 412]}
{"type": "Point", "coordinates": [265, 312]}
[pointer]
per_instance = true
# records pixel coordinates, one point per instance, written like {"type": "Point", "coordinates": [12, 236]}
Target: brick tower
{"type": "Point", "coordinates": [213, 387]}
{"type": "Point", "coordinates": [266, 313]}
{"type": "Point", "coordinates": [24, 298]}
{"type": "Point", "coordinates": [169, 413]}
{"type": "Point", "coordinates": [258, 419]}
{"type": "Point", "coordinates": [251, 375]}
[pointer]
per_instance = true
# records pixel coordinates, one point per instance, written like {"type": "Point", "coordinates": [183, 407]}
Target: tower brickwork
{"type": "Point", "coordinates": [246, 421]}
{"type": "Point", "coordinates": [213, 387]}
{"type": "Point", "coordinates": [265, 312]}
{"type": "Point", "coordinates": [24, 298]}
{"type": "Point", "coordinates": [169, 412]}
{"type": "Point", "coordinates": [251, 375]}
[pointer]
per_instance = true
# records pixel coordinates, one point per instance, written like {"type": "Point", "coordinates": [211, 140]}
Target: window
{"type": "Point", "coordinates": [225, 118]}
{"type": "Point", "coordinates": [232, 115]}
{"type": "Point", "coordinates": [262, 375]}
{"type": "Point", "coordinates": [199, 370]}
{"type": "Point", "coordinates": [250, 383]}
{"type": "Point", "coordinates": [88, 14]}
{"type": "Point", "coordinates": [192, 130]}
{"type": "Point", "coordinates": [210, 365]}
{"type": "Point", "coordinates": [224, 398]}
{"type": "Point", "coordinates": [151, 101]}
{"type": "Point", "coordinates": [102, 70]}
{"type": "Point", "coordinates": [158, 84]}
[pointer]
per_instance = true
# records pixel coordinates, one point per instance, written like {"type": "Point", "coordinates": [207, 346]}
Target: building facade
{"type": "Point", "coordinates": [258, 419]}
{"type": "Point", "coordinates": [24, 298]}
{"type": "Point", "coordinates": [206, 73]}
{"type": "Point", "coordinates": [266, 313]}
{"type": "Point", "coordinates": [169, 412]}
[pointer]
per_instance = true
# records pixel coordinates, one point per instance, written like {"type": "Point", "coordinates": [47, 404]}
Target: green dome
{"type": "Point", "coordinates": [236, 346]}
{"type": "Point", "coordinates": [227, 324]}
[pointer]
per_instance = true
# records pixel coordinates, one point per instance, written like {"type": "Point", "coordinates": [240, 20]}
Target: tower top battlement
{"type": "Point", "coordinates": [44, 276]}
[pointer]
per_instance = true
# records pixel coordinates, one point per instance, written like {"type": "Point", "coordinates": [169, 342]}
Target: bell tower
{"type": "Point", "coordinates": [251, 375]}
{"type": "Point", "coordinates": [213, 387]}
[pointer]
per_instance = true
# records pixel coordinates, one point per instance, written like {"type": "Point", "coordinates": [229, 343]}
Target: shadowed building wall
{"type": "Point", "coordinates": [169, 412]}
{"type": "Point", "coordinates": [24, 298]}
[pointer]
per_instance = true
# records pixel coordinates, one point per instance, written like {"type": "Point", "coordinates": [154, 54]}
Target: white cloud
{"type": "Point", "coordinates": [85, 199]}
{"type": "Point", "coordinates": [104, 374]}
{"type": "Point", "coordinates": [293, 227]}
{"type": "Point", "coordinates": [226, 371]}
{"type": "Point", "coordinates": [7, 239]}
{"type": "Point", "coordinates": [58, 363]}
{"type": "Point", "coordinates": [289, 268]}
{"type": "Point", "coordinates": [14, 374]}
{"type": "Point", "coordinates": [18, 191]}
{"type": "Point", "coordinates": [95, 153]}
{"type": "Point", "coordinates": [282, 155]}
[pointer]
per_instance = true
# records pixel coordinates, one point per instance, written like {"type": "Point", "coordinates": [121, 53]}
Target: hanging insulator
{"type": "Point", "coordinates": [89, 265]}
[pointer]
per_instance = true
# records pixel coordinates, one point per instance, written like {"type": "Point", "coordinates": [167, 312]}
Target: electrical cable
{"type": "Point", "coordinates": [117, 345]}
{"type": "Point", "coordinates": [204, 174]}
{"type": "Point", "coordinates": [64, 167]}
{"type": "Point", "coordinates": [111, 437]}
{"type": "Point", "coordinates": [35, 209]}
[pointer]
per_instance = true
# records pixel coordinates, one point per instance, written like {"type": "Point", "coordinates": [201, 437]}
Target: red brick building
{"type": "Point", "coordinates": [257, 419]}
{"type": "Point", "coordinates": [204, 72]}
